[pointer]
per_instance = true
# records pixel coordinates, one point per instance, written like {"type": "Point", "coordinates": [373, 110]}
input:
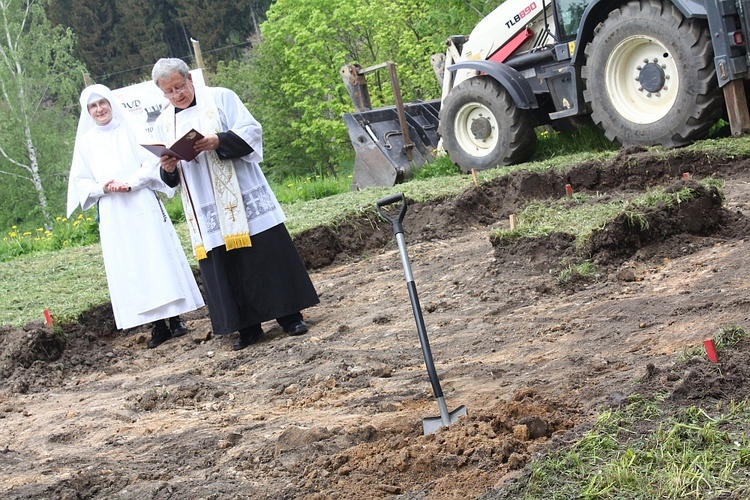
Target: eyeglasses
{"type": "Point", "coordinates": [177, 90]}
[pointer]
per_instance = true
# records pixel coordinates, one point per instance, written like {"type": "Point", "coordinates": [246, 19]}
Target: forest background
{"type": "Point", "coordinates": [282, 57]}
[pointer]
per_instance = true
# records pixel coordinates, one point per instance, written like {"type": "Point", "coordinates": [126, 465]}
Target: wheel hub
{"type": "Point", "coordinates": [481, 128]}
{"type": "Point", "coordinates": [652, 77]}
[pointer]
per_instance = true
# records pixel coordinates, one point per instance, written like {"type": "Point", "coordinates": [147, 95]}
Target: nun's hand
{"type": "Point", "coordinates": [169, 163]}
{"type": "Point", "coordinates": [116, 187]}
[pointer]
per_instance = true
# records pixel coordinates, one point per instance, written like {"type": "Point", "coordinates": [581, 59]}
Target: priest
{"type": "Point", "coordinates": [250, 267]}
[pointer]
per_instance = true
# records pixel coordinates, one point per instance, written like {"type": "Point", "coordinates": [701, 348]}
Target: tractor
{"type": "Point", "coordinates": [647, 72]}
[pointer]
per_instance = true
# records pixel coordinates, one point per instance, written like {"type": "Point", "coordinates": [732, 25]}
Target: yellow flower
{"type": "Point", "coordinates": [12, 234]}
{"type": "Point", "coordinates": [75, 223]}
{"type": "Point", "coordinates": [14, 227]}
{"type": "Point", "coordinates": [80, 216]}
{"type": "Point", "coordinates": [58, 218]}
{"type": "Point", "coordinates": [27, 233]}
{"type": "Point", "coordinates": [89, 219]}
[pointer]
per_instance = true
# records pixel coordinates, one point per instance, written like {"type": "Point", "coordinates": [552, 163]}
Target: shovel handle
{"type": "Point", "coordinates": [390, 200]}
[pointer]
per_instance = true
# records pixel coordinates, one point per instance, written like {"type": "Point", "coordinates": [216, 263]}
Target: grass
{"type": "Point", "coordinates": [687, 455]}
{"type": "Point", "coordinates": [646, 450]}
{"type": "Point", "coordinates": [726, 337]}
{"type": "Point", "coordinates": [694, 453]}
{"type": "Point", "coordinates": [581, 215]}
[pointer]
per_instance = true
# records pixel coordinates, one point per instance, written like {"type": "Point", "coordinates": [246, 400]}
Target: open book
{"type": "Point", "coordinates": [182, 148]}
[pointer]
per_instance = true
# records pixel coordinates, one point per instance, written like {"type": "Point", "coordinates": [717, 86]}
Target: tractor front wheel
{"type": "Point", "coordinates": [482, 127]}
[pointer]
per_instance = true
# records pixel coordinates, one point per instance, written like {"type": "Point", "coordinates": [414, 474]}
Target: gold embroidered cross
{"type": "Point", "coordinates": [231, 208]}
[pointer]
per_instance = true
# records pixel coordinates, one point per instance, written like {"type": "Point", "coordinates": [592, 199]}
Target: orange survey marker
{"type": "Point", "coordinates": [711, 350]}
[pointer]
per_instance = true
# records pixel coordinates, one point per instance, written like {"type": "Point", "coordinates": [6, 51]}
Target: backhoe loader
{"type": "Point", "coordinates": [648, 72]}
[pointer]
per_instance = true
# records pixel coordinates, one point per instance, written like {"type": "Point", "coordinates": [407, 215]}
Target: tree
{"type": "Point", "coordinates": [32, 103]}
{"type": "Point", "coordinates": [119, 40]}
{"type": "Point", "coordinates": [292, 81]}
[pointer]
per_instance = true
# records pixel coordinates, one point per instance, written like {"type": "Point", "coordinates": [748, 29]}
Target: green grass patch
{"type": "Point", "coordinates": [574, 272]}
{"type": "Point", "coordinates": [306, 188]}
{"type": "Point", "coordinates": [553, 143]}
{"type": "Point", "coordinates": [64, 233]}
{"type": "Point", "coordinates": [694, 453]}
{"type": "Point", "coordinates": [581, 215]}
{"type": "Point", "coordinates": [724, 338]}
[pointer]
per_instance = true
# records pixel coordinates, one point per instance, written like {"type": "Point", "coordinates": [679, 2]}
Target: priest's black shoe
{"type": "Point", "coordinates": [247, 339]}
{"type": "Point", "coordinates": [159, 335]}
{"type": "Point", "coordinates": [177, 327]}
{"type": "Point", "coordinates": [297, 328]}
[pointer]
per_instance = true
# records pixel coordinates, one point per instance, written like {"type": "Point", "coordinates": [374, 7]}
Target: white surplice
{"type": "Point", "coordinates": [262, 209]}
{"type": "Point", "coordinates": [148, 275]}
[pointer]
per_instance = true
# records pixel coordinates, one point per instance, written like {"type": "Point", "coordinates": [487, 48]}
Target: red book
{"type": "Point", "coordinates": [182, 148]}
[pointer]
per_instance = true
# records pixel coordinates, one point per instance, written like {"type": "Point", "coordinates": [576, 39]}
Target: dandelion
{"type": "Point", "coordinates": [27, 233]}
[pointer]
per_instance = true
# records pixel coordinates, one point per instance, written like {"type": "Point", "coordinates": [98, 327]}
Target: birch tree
{"type": "Point", "coordinates": [35, 80]}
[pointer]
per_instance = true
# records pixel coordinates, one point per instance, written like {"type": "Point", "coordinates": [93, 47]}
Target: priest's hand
{"type": "Point", "coordinates": [208, 143]}
{"type": "Point", "coordinates": [169, 163]}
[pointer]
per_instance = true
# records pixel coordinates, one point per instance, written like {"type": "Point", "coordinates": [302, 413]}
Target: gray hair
{"type": "Point", "coordinates": [164, 68]}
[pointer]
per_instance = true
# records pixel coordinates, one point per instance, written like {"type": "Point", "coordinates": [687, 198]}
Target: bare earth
{"type": "Point", "coordinates": [337, 413]}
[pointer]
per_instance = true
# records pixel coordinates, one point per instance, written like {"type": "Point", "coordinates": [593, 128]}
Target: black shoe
{"type": "Point", "coordinates": [247, 339]}
{"type": "Point", "coordinates": [297, 328]}
{"type": "Point", "coordinates": [177, 327]}
{"type": "Point", "coordinates": [159, 335]}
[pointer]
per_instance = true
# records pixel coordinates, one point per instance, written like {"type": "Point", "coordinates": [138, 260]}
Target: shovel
{"type": "Point", "coordinates": [429, 424]}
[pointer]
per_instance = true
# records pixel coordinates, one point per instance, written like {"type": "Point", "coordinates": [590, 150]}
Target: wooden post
{"type": "Point", "coordinates": [198, 53]}
{"type": "Point", "coordinates": [513, 222]}
{"type": "Point", "coordinates": [736, 101]}
{"type": "Point", "coordinates": [199, 57]}
{"type": "Point", "coordinates": [87, 80]}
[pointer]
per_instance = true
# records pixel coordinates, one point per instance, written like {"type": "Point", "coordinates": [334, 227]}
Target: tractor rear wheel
{"type": "Point", "coordinates": [482, 127]}
{"type": "Point", "coordinates": [650, 78]}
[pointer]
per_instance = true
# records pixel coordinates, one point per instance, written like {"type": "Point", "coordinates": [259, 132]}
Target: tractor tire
{"type": "Point", "coordinates": [649, 76]}
{"type": "Point", "coordinates": [482, 128]}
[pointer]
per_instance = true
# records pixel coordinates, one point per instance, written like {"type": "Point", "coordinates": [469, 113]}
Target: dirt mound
{"type": "Point", "coordinates": [337, 413]}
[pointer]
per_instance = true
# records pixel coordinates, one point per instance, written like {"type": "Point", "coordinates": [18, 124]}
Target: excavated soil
{"type": "Point", "coordinates": [87, 411]}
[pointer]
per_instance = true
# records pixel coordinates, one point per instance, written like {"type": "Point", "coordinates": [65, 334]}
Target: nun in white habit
{"type": "Point", "coordinates": [148, 275]}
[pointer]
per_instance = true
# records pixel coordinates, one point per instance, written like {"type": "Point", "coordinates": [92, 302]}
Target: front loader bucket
{"type": "Point", "coordinates": [382, 157]}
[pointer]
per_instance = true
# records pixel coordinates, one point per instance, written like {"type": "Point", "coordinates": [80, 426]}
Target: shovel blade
{"type": "Point", "coordinates": [432, 424]}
